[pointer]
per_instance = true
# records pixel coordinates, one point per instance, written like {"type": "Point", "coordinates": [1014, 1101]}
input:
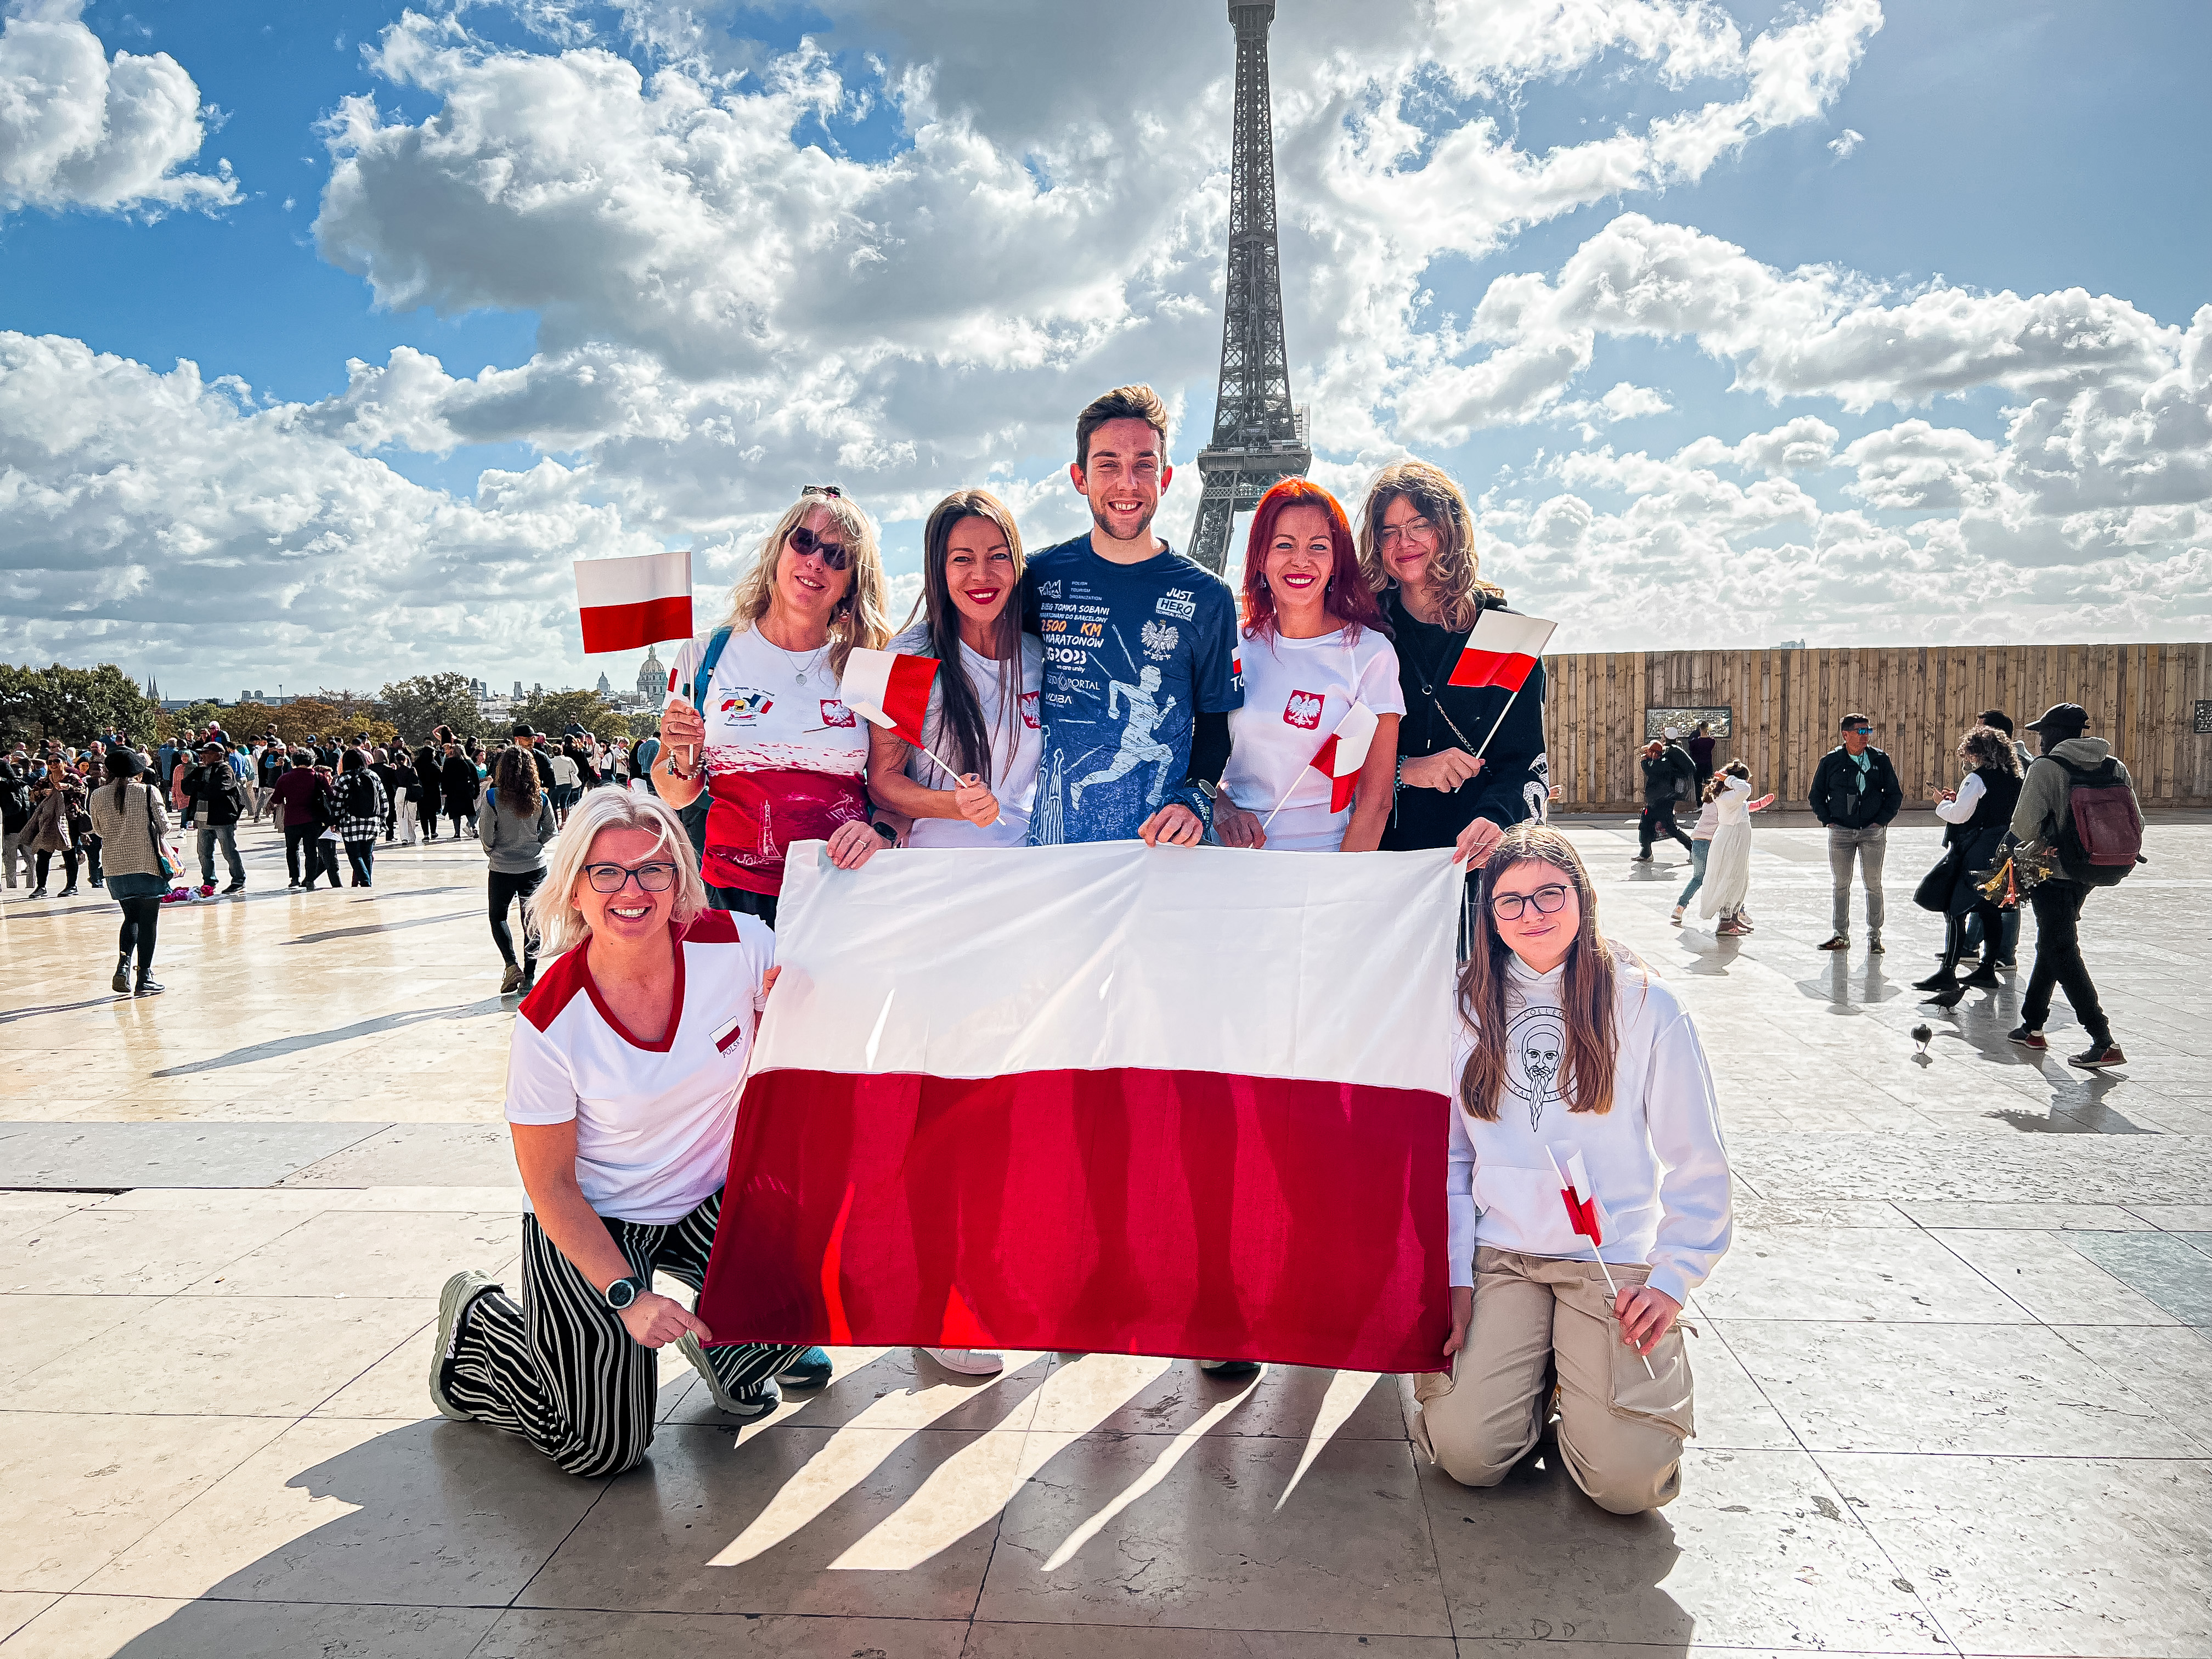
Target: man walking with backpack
{"type": "Point", "coordinates": [1856, 793]}
{"type": "Point", "coordinates": [2077, 799]}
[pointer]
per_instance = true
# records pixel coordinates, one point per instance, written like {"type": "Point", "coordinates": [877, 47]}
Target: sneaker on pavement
{"type": "Point", "coordinates": [2027, 1038]}
{"type": "Point", "coordinates": [969, 1362]}
{"type": "Point", "coordinates": [2097, 1057]}
{"type": "Point", "coordinates": [1875, 947]}
{"type": "Point", "coordinates": [809, 1371]}
{"type": "Point", "coordinates": [453, 1302]}
{"type": "Point", "coordinates": [1840, 942]}
{"type": "Point", "coordinates": [749, 1408]}
{"type": "Point", "coordinates": [238, 886]}
{"type": "Point", "coordinates": [511, 981]}
{"type": "Point", "coordinates": [1230, 1370]}
{"type": "Point", "coordinates": [1678, 915]}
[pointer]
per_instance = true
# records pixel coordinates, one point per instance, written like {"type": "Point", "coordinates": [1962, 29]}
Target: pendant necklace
{"type": "Point", "coordinates": [799, 667]}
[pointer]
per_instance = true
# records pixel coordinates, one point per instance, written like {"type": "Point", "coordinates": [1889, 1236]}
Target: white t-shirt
{"type": "Point", "coordinates": [654, 1120]}
{"type": "Point", "coordinates": [1013, 777]}
{"type": "Point", "coordinates": [784, 756]}
{"type": "Point", "coordinates": [564, 771]}
{"type": "Point", "coordinates": [1294, 693]}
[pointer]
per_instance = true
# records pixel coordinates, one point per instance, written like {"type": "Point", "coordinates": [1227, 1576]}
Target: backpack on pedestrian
{"type": "Point", "coordinates": [2100, 836]}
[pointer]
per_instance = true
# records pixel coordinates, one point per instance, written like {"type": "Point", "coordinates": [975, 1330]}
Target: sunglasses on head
{"type": "Point", "coordinates": [834, 554]}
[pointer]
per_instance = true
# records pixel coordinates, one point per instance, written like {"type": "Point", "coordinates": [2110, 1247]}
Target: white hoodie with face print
{"type": "Point", "coordinates": [1654, 1160]}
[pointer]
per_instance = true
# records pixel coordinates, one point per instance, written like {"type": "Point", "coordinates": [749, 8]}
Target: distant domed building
{"type": "Point", "coordinates": [604, 688]}
{"type": "Point", "coordinates": [652, 675]}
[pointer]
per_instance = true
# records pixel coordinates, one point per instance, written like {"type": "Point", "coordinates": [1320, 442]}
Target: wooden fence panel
{"type": "Point", "coordinates": [1784, 705]}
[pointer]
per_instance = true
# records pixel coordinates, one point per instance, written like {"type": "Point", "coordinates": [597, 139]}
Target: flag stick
{"type": "Point", "coordinates": [876, 717]}
{"type": "Point", "coordinates": [1615, 1289]}
{"type": "Point", "coordinates": [1500, 721]}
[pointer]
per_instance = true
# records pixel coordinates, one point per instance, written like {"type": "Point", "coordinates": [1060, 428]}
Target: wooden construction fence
{"type": "Point", "coordinates": [1784, 706]}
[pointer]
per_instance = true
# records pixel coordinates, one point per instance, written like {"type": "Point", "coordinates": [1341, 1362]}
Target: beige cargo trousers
{"type": "Point", "coordinates": [1620, 1431]}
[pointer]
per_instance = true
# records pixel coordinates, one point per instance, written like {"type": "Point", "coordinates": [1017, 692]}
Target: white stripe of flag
{"type": "Point", "coordinates": [632, 602]}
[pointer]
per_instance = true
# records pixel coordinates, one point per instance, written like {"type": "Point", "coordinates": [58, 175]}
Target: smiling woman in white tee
{"type": "Point", "coordinates": [621, 1096]}
{"type": "Point", "coordinates": [1571, 1056]}
{"type": "Point", "coordinates": [1313, 643]}
{"type": "Point", "coordinates": [983, 703]}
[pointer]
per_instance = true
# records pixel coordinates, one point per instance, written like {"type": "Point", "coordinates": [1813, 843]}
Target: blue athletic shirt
{"type": "Point", "coordinates": [1130, 652]}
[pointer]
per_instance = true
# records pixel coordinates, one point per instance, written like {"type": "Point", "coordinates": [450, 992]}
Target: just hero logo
{"type": "Point", "coordinates": [1181, 603]}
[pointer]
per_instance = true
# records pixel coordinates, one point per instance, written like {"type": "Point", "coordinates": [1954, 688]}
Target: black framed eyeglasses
{"type": "Point", "coordinates": [834, 554]}
{"type": "Point", "coordinates": [613, 878]}
{"type": "Point", "coordinates": [1549, 901]}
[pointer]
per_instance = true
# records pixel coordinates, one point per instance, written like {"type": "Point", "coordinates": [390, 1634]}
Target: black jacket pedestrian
{"type": "Point", "coordinates": [15, 796]}
{"type": "Point", "coordinates": [457, 786]}
{"type": "Point", "coordinates": [428, 762]}
{"type": "Point", "coordinates": [1669, 777]}
{"type": "Point", "coordinates": [1839, 800]}
{"type": "Point", "coordinates": [212, 794]}
{"type": "Point", "coordinates": [1516, 780]}
{"type": "Point", "coordinates": [1974, 845]}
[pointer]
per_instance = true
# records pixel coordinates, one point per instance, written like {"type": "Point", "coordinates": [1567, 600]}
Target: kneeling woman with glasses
{"type": "Point", "coordinates": [621, 1097]}
{"type": "Point", "coordinates": [1571, 1059]}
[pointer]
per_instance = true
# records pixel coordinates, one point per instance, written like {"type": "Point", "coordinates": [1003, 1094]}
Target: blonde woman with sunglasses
{"type": "Point", "coordinates": [621, 1097]}
{"type": "Point", "coordinates": [768, 739]}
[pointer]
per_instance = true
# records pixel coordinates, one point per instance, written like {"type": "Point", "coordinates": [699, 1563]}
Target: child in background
{"type": "Point", "coordinates": [1701, 845]}
{"type": "Point", "coordinates": [1727, 864]}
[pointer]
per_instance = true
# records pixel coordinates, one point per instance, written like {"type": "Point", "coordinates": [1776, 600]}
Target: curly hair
{"type": "Point", "coordinates": [1456, 567]}
{"type": "Point", "coordinates": [860, 620]}
{"type": "Point", "coordinates": [1985, 745]}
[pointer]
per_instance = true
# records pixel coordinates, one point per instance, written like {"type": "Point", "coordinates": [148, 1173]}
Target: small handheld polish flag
{"type": "Point", "coordinates": [1502, 650]}
{"type": "Point", "coordinates": [1339, 759]}
{"type": "Point", "coordinates": [1588, 1218]}
{"type": "Point", "coordinates": [891, 689]}
{"type": "Point", "coordinates": [629, 603]}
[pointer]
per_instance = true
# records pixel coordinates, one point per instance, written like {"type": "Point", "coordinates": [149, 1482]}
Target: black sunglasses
{"type": "Point", "coordinates": [834, 554]}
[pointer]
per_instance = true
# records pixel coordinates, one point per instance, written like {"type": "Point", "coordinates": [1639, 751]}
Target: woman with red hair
{"type": "Point", "coordinates": [1314, 644]}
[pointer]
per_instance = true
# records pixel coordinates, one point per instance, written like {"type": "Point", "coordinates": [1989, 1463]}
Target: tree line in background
{"type": "Point", "coordinates": [73, 706]}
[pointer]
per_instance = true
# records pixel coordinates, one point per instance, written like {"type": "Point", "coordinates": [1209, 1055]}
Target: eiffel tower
{"type": "Point", "coordinates": [1259, 436]}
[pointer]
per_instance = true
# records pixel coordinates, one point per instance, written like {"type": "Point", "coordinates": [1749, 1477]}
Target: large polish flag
{"type": "Point", "coordinates": [1165, 1100]}
{"type": "Point", "coordinates": [1339, 759]}
{"type": "Point", "coordinates": [1502, 650]}
{"type": "Point", "coordinates": [628, 603]}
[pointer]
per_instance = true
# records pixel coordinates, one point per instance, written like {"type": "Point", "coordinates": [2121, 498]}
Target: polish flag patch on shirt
{"type": "Point", "coordinates": [1502, 650]}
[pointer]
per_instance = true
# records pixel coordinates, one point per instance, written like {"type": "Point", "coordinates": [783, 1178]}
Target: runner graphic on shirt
{"type": "Point", "coordinates": [1138, 746]}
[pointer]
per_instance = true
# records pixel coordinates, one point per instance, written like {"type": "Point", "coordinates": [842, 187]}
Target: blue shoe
{"type": "Point", "coordinates": [809, 1371]}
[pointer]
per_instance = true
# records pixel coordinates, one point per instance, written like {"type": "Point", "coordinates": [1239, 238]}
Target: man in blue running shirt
{"type": "Point", "coordinates": [1140, 662]}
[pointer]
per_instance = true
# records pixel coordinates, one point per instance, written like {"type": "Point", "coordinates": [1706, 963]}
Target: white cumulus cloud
{"type": "Point", "coordinates": [79, 129]}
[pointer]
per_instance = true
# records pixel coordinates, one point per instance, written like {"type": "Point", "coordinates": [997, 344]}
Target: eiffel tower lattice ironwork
{"type": "Point", "coordinates": [1258, 435]}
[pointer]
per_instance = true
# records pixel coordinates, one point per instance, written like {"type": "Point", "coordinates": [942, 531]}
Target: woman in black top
{"type": "Point", "coordinates": [1417, 548]}
{"type": "Point", "coordinates": [1976, 813]}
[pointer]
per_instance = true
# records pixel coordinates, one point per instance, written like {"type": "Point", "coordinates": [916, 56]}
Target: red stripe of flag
{"type": "Point", "coordinates": [627, 627]}
{"type": "Point", "coordinates": [1502, 650]}
{"type": "Point", "coordinates": [1115, 1210]}
{"type": "Point", "coordinates": [891, 689]}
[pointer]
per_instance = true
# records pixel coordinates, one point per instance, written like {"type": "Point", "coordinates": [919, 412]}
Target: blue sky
{"type": "Point", "coordinates": [2032, 150]}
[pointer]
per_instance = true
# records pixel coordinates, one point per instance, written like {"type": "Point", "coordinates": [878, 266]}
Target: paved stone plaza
{"type": "Point", "coordinates": [1954, 1379]}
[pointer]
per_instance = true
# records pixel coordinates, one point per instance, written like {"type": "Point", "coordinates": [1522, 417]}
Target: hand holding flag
{"type": "Point", "coordinates": [1588, 1219]}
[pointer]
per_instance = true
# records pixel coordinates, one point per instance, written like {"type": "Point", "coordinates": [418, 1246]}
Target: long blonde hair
{"type": "Point", "coordinates": [859, 619]}
{"type": "Point", "coordinates": [551, 910]}
{"type": "Point", "coordinates": [1586, 992]}
{"type": "Point", "coordinates": [1456, 567]}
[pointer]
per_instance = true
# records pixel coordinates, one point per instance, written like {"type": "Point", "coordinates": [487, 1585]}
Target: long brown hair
{"type": "Point", "coordinates": [960, 719]}
{"type": "Point", "coordinates": [1586, 996]}
{"type": "Point", "coordinates": [1986, 746]}
{"type": "Point", "coordinates": [514, 781]}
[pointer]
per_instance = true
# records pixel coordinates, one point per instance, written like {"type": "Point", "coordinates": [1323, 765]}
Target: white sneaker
{"type": "Point", "coordinates": [969, 1362]}
{"type": "Point", "coordinates": [1678, 915]}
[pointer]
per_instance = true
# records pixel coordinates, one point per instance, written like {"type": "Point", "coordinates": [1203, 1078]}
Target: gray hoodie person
{"type": "Point", "coordinates": [514, 846]}
{"type": "Point", "coordinates": [2043, 792]}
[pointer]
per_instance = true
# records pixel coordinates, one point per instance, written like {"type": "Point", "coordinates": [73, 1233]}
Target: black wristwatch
{"type": "Point", "coordinates": [883, 829]}
{"type": "Point", "coordinates": [624, 1291]}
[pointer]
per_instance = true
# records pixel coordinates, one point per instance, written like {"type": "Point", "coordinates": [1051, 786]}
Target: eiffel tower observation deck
{"type": "Point", "coordinates": [1259, 434]}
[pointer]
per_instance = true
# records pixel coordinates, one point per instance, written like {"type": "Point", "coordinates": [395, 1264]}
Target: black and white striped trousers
{"type": "Point", "coordinates": [560, 1369]}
